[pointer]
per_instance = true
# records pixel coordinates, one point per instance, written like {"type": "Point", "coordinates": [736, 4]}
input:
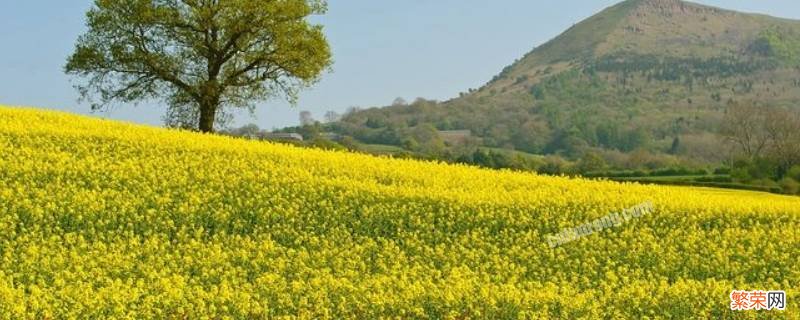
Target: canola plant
{"type": "Point", "coordinates": [108, 220]}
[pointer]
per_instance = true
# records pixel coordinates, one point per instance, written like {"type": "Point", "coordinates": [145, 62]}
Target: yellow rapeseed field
{"type": "Point", "coordinates": [108, 220]}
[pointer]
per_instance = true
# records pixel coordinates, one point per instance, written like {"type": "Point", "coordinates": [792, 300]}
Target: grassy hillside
{"type": "Point", "coordinates": [651, 75]}
{"type": "Point", "coordinates": [101, 219]}
{"type": "Point", "coordinates": [666, 29]}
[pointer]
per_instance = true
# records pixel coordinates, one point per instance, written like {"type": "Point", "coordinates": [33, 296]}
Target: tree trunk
{"type": "Point", "coordinates": [208, 114]}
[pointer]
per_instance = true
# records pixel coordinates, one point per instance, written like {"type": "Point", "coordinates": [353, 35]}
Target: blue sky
{"type": "Point", "coordinates": [382, 50]}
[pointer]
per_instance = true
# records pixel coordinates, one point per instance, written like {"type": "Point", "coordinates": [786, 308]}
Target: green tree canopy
{"type": "Point", "coordinates": [199, 56]}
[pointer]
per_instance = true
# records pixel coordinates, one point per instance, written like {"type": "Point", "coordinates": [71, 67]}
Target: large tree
{"type": "Point", "coordinates": [765, 132]}
{"type": "Point", "coordinates": [199, 56]}
{"type": "Point", "coordinates": [744, 126]}
{"type": "Point", "coordinates": [783, 128]}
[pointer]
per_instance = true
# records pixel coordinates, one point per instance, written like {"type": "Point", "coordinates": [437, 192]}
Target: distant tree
{"type": "Point", "coordinates": [591, 162]}
{"type": "Point", "coordinates": [743, 125]}
{"type": "Point", "coordinates": [429, 140]}
{"type": "Point", "coordinates": [421, 106]}
{"type": "Point", "coordinates": [399, 102]}
{"type": "Point", "coordinates": [376, 121]}
{"type": "Point", "coordinates": [782, 126]}
{"type": "Point", "coordinates": [310, 131]}
{"type": "Point", "coordinates": [532, 136]}
{"type": "Point", "coordinates": [248, 130]}
{"type": "Point", "coordinates": [554, 165]}
{"type": "Point", "coordinates": [484, 159]}
{"type": "Point", "coordinates": [352, 110]}
{"type": "Point", "coordinates": [538, 92]}
{"type": "Point", "coordinates": [409, 143]}
{"type": "Point", "coordinates": [421, 100]}
{"type": "Point", "coordinates": [794, 172]}
{"type": "Point", "coordinates": [639, 159]}
{"type": "Point", "coordinates": [568, 143]}
{"type": "Point", "coordinates": [789, 185]}
{"type": "Point", "coordinates": [608, 135]}
{"type": "Point", "coordinates": [676, 145]}
{"type": "Point", "coordinates": [332, 116]}
{"type": "Point", "coordinates": [498, 135]}
{"type": "Point", "coordinates": [425, 132]}
{"type": "Point", "coordinates": [348, 142]}
{"type": "Point", "coordinates": [306, 119]}
{"type": "Point", "coordinates": [768, 142]}
{"type": "Point", "coordinates": [636, 139]}
{"type": "Point", "coordinates": [746, 169]}
{"type": "Point", "coordinates": [199, 56]}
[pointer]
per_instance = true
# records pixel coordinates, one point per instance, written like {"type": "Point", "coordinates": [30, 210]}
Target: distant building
{"type": "Point", "coordinates": [284, 136]}
{"type": "Point", "coordinates": [455, 136]}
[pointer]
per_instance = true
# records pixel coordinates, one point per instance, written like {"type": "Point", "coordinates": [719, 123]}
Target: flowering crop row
{"type": "Point", "coordinates": [102, 219]}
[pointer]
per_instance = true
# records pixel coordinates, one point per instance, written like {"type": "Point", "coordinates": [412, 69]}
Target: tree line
{"type": "Point", "coordinates": [766, 143]}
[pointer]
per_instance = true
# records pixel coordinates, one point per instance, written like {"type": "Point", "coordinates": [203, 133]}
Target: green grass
{"type": "Point", "coordinates": [381, 149]}
{"type": "Point", "coordinates": [671, 178]}
{"type": "Point", "coordinates": [512, 153]}
{"type": "Point", "coordinates": [693, 181]}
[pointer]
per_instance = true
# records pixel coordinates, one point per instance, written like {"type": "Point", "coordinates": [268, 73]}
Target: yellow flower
{"type": "Point", "coordinates": [102, 219]}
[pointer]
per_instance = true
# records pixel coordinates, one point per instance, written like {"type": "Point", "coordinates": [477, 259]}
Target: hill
{"type": "Point", "coordinates": [653, 76]}
{"type": "Point", "coordinates": [102, 219]}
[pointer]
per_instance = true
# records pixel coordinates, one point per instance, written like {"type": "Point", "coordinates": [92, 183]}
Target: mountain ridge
{"type": "Point", "coordinates": [641, 75]}
{"type": "Point", "coordinates": [617, 23]}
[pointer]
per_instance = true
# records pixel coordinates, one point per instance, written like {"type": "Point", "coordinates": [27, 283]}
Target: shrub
{"type": "Point", "coordinates": [789, 185]}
